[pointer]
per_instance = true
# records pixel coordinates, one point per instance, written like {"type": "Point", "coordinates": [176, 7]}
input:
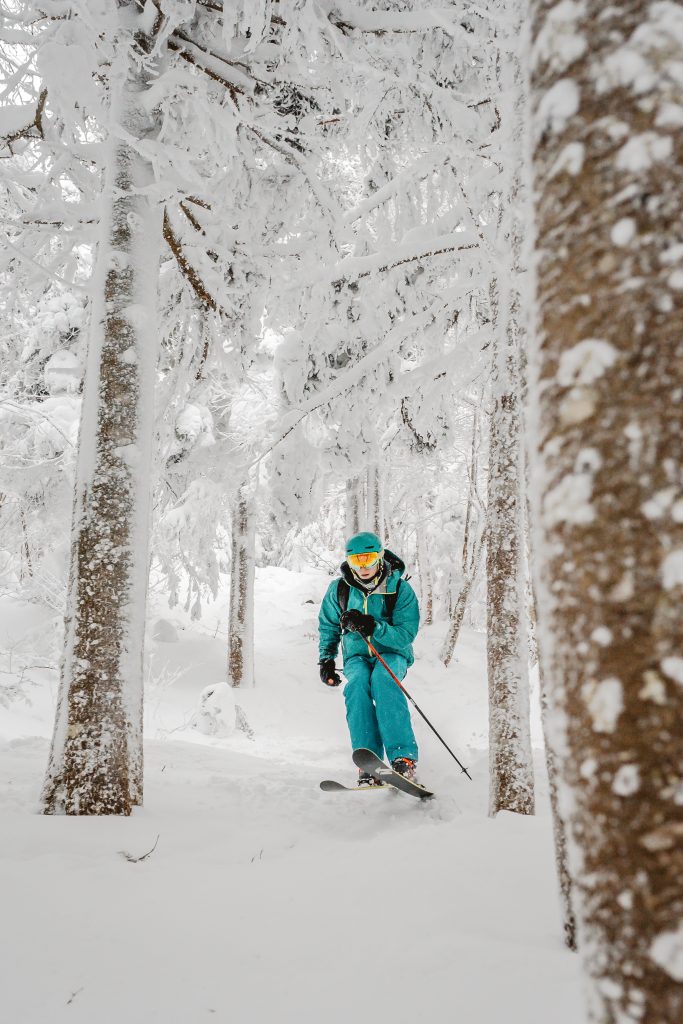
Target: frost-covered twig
{"type": "Point", "coordinates": [138, 860]}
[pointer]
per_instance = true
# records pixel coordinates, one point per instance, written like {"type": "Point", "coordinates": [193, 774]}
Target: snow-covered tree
{"type": "Point", "coordinates": [95, 762]}
{"type": "Point", "coordinates": [607, 480]}
{"type": "Point", "coordinates": [511, 766]}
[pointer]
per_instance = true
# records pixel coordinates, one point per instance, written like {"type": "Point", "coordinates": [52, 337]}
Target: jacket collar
{"type": "Point", "coordinates": [393, 570]}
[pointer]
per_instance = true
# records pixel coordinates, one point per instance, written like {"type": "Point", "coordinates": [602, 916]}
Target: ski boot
{"type": "Point", "coordinates": [366, 779]}
{"type": "Point", "coordinates": [405, 767]}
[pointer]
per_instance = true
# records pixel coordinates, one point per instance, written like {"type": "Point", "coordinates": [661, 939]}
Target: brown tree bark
{"type": "Point", "coordinates": [95, 764]}
{"type": "Point", "coordinates": [472, 549]}
{"type": "Point", "coordinates": [241, 614]}
{"type": "Point", "coordinates": [608, 472]}
{"type": "Point", "coordinates": [510, 757]}
{"type": "Point", "coordinates": [424, 569]}
{"type": "Point", "coordinates": [564, 877]}
{"type": "Point", "coordinates": [374, 501]}
{"type": "Point", "coordinates": [460, 606]}
{"type": "Point", "coordinates": [354, 506]}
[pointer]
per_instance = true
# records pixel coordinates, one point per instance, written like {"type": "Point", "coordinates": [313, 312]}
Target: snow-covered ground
{"type": "Point", "coordinates": [266, 900]}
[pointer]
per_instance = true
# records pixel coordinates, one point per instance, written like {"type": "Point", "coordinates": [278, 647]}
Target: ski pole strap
{"type": "Point", "coordinates": [419, 710]}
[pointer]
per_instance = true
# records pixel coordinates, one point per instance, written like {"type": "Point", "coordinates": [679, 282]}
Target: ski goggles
{"type": "Point", "coordinates": [364, 560]}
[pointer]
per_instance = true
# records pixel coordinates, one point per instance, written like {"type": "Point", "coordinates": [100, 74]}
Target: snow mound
{"type": "Point", "coordinates": [216, 714]}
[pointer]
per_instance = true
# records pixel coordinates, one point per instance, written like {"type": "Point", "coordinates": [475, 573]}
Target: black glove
{"type": "Point", "coordinates": [355, 622]}
{"type": "Point", "coordinates": [328, 674]}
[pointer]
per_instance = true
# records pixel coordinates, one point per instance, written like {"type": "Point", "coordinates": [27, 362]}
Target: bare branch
{"type": "Point", "coordinates": [383, 268]}
{"type": "Point", "coordinates": [187, 270]}
{"type": "Point", "coordinates": [137, 860]}
{"type": "Point", "coordinates": [25, 130]}
{"type": "Point", "coordinates": [182, 52]}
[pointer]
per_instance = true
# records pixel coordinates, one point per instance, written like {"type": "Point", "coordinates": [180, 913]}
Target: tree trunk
{"type": "Point", "coordinates": [559, 828]}
{"type": "Point", "coordinates": [424, 567]}
{"type": "Point", "coordinates": [95, 764]}
{"type": "Point", "coordinates": [608, 468]}
{"type": "Point", "coordinates": [472, 545]}
{"type": "Point", "coordinates": [354, 506]}
{"type": "Point", "coordinates": [242, 571]}
{"type": "Point", "coordinates": [374, 501]}
{"type": "Point", "coordinates": [458, 613]}
{"type": "Point", "coordinates": [564, 878]}
{"type": "Point", "coordinates": [511, 765]}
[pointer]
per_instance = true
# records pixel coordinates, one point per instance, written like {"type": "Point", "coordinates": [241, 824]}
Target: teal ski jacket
{"type": "Point", "coordinates": [387, 637]}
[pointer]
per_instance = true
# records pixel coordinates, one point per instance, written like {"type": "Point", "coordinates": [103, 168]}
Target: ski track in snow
{"type": "Point", "coordinates": [266, 899]}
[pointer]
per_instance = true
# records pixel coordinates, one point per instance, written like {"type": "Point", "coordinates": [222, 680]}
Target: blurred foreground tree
{"type": "Point", "coordinates": [607, 477]}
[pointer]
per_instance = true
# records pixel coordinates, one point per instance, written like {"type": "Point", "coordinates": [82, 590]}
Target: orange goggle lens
{"type": "Point", "coordinates": [363, 560]}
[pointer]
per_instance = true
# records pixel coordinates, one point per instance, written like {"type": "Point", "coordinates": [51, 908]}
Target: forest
{"type": "Point", "coordinates": [303, 294]}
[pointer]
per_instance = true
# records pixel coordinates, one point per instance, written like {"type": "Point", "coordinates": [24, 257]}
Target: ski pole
{"type": "Point", "coordinates": [419, 711]}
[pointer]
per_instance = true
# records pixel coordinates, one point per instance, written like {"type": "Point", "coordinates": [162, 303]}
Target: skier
{"type": "Point", "coordinates": [371, 600]}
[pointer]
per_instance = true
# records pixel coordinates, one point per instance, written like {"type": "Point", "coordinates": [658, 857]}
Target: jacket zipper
{"type": "Point", "coordinates": [365, 609]}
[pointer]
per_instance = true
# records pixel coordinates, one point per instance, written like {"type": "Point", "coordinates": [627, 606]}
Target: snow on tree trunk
{"type": "Point", "coordinates": [424, 567]}
{"type": "Point", "coordinates": [510, 758]}
{"type": "Point", "coordinates": [374, 501]}
{"type": "Point", "coordinates": [608, 478]}
{"type": "Point", "coordinates": [564, 878]}
{"type": "Point", "coordinates": [460, 606]}
{"type": "Point", "coordinates": [241, 614]}
{"type": "Point", "coordinates": [559, 829]}
{"type": "Point", "coordinates": [354, 506]}
{"type": "Point", "coordinates": [95, 764]}
{"type": "Point", "coordinates": [472, 549]}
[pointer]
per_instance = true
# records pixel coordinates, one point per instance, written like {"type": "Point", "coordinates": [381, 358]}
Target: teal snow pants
{"type": "Point", "coordinates": [376, 708]}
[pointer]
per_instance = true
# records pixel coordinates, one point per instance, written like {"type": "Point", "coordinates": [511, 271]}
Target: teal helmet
{"type": "Point", "coordinates": [361, 543]}
{"type": "Point", "coordinates": [365, 551]}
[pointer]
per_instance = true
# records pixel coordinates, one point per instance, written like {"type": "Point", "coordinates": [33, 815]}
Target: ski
{"type": "Point", "coordinates": [330, 786]}
{"type": "Point", "coordinates": [369, 762]}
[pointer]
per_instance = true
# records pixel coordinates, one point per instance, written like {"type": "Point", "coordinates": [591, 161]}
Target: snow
{"type": "Point", "coordinates": [627, 780]}
{"type": "Point", "coordinates": [63, 372]}
{"type": "Point", "coordinates": [629, 69]}
{"type": "Point", "coordinates": [658, 503]}
{"type": "Point", "coordinates": [653, 688]}
{"type": "Point", "coordinates": [667, 952]}
{"type": "Point", "coordinates": [165, 631]}
{"type": "Point", "coordinates": [673, 668]}
{"type": "Point", "coordinates": [569, 501]}
{"type": "Point", "coordinates": [216, 714]}
{"type": "Point", "coordinates": [586, 361]}
{"type": "Point", "coordinates": [634, 433]}
{"type": "Point", "coordinates": [14, 119]}
{"type": "Point", "coordinates": [577, 405]}
{"type": "Point", "coordinates": [672, 569]}
{"type": "Point", "coordinates": [569, 160]}
{"type": "Point", "coordinates": [605, 702]}
{"type": "Point", "coordinates": [672, 254]}
{"type": "Point", "coordinates": [642, 151]}
{"type": "Point", "coordinates": [624, 231]}
{"type": "Point", "coordinates": [558, 42]}
{"type": "Point", "coordinates": [625, 589]}
{"type": "Point", "coordinates": [69, 93]}
{"type": "Point", "coordinates": [129, 357]}
{"type": "Point", "coordinates": [195, 423]}
{"type": "Point", "coordinates": [265, 899]}
{"type": "Point", "coordinates": [557, 106]}
{"type": "Point", "coordinates": [669, 115]}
